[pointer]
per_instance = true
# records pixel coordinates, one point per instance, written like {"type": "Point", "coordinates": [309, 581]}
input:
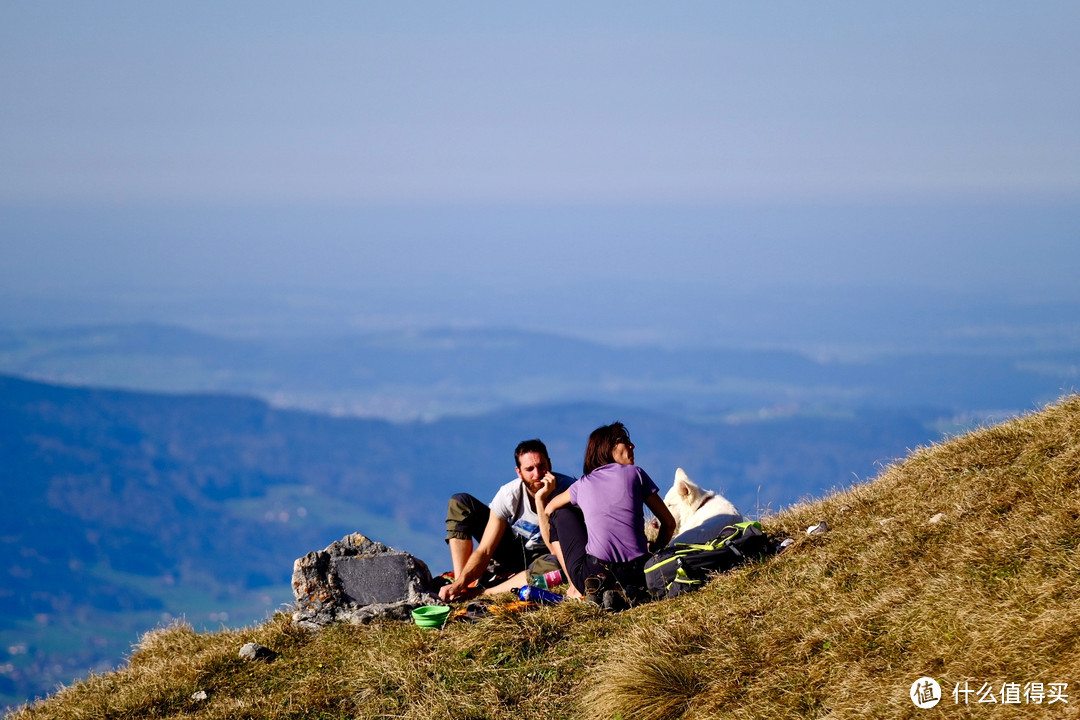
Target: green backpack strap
{"type": "Point", "coordinates": [683, 579]}
{"type": "Point", "coordinates": [677, 551]}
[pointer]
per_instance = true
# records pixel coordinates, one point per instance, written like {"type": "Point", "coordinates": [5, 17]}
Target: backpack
{"type": "Point", "coordinates": [685, 566]}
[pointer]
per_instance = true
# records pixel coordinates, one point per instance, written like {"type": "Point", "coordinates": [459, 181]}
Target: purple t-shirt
{"type": "Point", "coordinates": [610, 498]}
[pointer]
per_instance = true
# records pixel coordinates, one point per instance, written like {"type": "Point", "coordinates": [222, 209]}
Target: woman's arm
{"type": "Point", "coordinates": [667, 521]}
{"type": "Point", "coordinates": [546, 506]}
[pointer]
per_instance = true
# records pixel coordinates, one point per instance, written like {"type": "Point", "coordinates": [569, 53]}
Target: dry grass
{"type": "Point", "coordinates": [843, 623]}
{"type": "Point", "coordinates": [838, 626]}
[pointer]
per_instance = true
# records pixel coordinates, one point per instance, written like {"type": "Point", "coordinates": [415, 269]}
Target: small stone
{"type": "Point", "coordinates": [254, 651]}
{"type": "Point", "coordinates": [200, 696]}
{"type": "Point", "coordinates": [936, 519]}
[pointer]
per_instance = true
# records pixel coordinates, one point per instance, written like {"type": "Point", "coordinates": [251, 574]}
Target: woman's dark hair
{"type": "Point", "coordinates": [601, 447]}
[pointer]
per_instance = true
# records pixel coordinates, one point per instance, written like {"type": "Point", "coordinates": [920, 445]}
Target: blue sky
{"type": "Point", "coordinates": [477, 102]}
{"type": "Point", "coordinates": [428, 153]}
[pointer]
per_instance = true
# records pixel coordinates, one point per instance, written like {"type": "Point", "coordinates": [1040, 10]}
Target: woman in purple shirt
{"type": "Point", "coordinates": [600, 520]}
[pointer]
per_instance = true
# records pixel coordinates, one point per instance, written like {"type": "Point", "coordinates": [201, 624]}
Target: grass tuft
{"type": "Point", "coordinates": [655, 685]}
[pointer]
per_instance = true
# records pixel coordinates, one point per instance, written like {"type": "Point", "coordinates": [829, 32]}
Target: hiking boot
{"type": "Point", "coordinates": [593, 587]}
{"type": "Point", "coordinates": [636, 595]}
{"type": "Point", "coordinates": [615, 600]}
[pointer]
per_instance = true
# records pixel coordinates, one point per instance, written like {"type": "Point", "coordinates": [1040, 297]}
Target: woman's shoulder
{"type": "Point", "coordinates": [615, 469]}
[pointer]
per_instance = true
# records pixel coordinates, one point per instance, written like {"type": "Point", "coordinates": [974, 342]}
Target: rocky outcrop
{"type": "Point", "coordinates": [357, 580]}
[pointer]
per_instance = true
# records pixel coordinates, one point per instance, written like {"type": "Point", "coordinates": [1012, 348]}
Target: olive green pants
{"type": "Point", "coordinates": [466, 519]}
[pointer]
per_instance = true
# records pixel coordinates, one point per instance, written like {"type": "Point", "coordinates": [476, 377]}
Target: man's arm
{"type": "Point", "coordinates": [478, 561]}
{"type": "Point", "coordinates": [667, 521]}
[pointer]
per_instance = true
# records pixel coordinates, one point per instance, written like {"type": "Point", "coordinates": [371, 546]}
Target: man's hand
{"type": "Point", "coordinates": [455, 591]}
{"type": "Point", "coordinates": [547, 488]}
{"type": "Point", "coordinates": [448, 592]}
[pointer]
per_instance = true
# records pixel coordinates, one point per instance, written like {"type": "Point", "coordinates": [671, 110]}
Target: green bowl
{"type": "Point", "coordinates": [431, 616]}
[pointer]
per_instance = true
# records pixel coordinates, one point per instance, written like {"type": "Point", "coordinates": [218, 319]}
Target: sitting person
{"type": "Point", "coordinates": [521, 551]}
{"type": "Point", "coordinates": [600, 521]}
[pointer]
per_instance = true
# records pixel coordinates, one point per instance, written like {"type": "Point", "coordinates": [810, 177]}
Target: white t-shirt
{"type": "Point", "coordinates": [514, 505]}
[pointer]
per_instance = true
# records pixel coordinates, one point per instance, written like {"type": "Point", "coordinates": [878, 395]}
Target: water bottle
{"type": "Point", "coordinates": [548, 580]}
{"type": "Point", "coordinates": [530, 593]}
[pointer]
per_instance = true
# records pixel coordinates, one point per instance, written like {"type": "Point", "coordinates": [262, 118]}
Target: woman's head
{"type": "Point", "coordinates": [608, 444]}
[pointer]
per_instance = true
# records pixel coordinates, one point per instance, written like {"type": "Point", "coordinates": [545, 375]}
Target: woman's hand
{"type": "Point", "coordinates": [667, 521]}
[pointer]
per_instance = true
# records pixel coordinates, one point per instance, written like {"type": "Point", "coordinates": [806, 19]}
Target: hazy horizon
{"type": "Point", "coordinates": [706, 174]}
{"type": "Point", "coordinates": [804, 277]}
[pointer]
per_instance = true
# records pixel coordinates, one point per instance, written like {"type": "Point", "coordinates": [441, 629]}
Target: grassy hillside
{"type": "Point", "coordinates": [959, 563]}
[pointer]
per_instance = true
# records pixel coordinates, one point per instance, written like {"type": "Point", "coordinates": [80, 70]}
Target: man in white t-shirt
{"type": "Point", "coordinates": [514, 555]}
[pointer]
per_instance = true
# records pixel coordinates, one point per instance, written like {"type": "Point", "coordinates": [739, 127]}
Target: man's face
{"type": "Point", "coordinates": [532, 467]}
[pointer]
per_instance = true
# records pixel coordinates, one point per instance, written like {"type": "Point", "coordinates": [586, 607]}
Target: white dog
{"type": "Point", "coordinates": [692, 506]}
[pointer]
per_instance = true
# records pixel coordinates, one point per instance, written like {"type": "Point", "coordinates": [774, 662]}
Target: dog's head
{"type": "Point", "coordinates": [684, 498]}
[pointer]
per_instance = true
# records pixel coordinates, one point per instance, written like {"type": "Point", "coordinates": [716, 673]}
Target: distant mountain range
{"type": "Point", "coordinates": [123, 508]}
{"type": "Point", "coordinates": [434, 373]}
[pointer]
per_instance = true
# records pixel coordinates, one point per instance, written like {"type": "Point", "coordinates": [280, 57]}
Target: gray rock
{"type": "Point", "coordinates": [254, 651]}
{"type": "Point", "coordinates": [358, 580]}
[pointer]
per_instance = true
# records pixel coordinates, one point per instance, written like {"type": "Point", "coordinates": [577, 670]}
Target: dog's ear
{"type": "Point", "coordinates": [684, 486]}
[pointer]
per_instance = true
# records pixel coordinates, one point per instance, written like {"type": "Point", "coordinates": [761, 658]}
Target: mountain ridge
{"type": "Point", "coordinates": [440, 372]}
